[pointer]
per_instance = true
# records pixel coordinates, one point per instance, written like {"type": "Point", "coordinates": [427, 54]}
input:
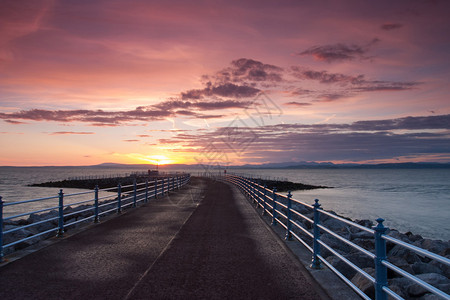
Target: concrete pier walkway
{"type": "Point", "coordinates": [202, 242]}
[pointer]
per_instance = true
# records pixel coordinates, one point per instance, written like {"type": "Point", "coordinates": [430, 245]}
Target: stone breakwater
{"type": "Point", "coordinates": [284, 186]}
{"type": "Point", "coordinates": [432, 272]}
{"type": "Point", "coordinates": [102, 183]}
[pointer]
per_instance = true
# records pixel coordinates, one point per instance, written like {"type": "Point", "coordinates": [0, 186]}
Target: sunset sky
{"type": "Point", "coordinates": [229, 82]}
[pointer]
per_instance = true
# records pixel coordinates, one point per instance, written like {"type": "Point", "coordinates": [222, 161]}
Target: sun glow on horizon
{"type": "Point", "coordinates": [153, 159]}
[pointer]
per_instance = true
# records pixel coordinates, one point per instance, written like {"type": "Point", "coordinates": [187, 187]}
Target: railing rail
{"type": "Point", "coordinates": [281, 210]}
{"type": "Point", "coordinates": [62, 214]}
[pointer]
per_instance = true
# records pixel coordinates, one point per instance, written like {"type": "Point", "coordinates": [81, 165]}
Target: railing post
{"type": "Point", "coordinates": [146, 191]}
{"type": "Point", "coordinates": [173, 183]}
{"type": "Point", "coordinates": [134, 192]}
{"type": "Point", "coordinates": [1, 230]}
{"type": "Point", "coordinates": [156, 187]}
{"type": "Point", "coordinates": [316, 246]}
{"type": "Point", "coordinates": [264, 200]}
{"type": "Point", "coordinates": [162, 189]}
{"type": "Point", "coordinates": [253, 191]}
{"type": "Point", "coordinates": [380, 255]}
{"type": "Point", "coordinates": [61, 214]}
{"type": "Point", "coordinates": [289, 224]}
{"type": "Point", "coordinates": [96, 204]}
{"type": "Point", "coordinates": [274, 204]}
{"type": "Point", "coordinates": [257, 194]}
{"type": "Point", "coordinates": [119, 198]}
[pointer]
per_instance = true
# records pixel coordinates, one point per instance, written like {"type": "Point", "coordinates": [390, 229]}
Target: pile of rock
{"type": "Point", "coordinates": [430, 271]}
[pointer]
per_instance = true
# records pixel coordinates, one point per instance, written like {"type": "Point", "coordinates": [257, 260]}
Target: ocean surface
{"type": "Point", "coordinates": [416, 200]}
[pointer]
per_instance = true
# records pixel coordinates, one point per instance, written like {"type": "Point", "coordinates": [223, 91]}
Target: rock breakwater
{"type": "Point", "coordinates": [284, 186]}
{"type": "Point", "coordinates": [430, 271]}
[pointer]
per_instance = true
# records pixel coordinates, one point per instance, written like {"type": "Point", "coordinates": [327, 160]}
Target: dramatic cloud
{"type": "Point", "coordinates": [347, 85]}
{"type": "Point", "coordinates": [327, 78]}
{"type": "Point", "coordinates": [234, 87]}
{"type": "Point", "coordinates": [161, 111]}
{"type": "Point", "coordinates": [358, 141]}
{"type": "Point", "coordinates": [408, 123]}
{"type": "Point", "coordinates": [163, 65]}
{"type": "Point", "coordinates": [391, 26]}
{"type": "Point", "coordinates": [338, 52]}
{"type": "Point", "coordinates": [228, 90]}
{"type": "Point", "coordinates": [248, 72]}
{"type": "Point", "coordinates": [253, 70]}
{"type": "Point", "coordinates": [97, 117]}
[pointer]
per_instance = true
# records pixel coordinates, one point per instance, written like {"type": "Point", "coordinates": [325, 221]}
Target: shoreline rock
{"type": "Point", "coordinates": [431, 271]}
{"type": "Point", "coordinates": [284, 186]}
{"type": "Point", "coordinates": [102, 183]}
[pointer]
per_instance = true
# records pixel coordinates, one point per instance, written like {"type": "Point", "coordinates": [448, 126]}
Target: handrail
{"type": "Point", "coordinates": [59, 217]}
{"type": "Point", "coordinates": [427, 253]}
{"type": "Point", "coordinates": [29, 201]}
{"type": "Point", "coordinates": [281, 213]}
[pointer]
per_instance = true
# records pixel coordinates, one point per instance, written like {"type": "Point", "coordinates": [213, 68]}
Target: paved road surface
{"type": "Point", "coordinates": [168, 249]}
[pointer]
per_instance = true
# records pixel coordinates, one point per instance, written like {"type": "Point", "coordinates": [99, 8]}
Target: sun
{"type": "Point", "coordinates": [150, 159]}
{"type": "Point", "coordinates": [159, 159]}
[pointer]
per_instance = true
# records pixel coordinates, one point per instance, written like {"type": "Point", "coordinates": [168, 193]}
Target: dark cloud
{"type": "Point", "coordinates": [338, 52]}
{"type": "Point", "coordinates": [95, 117]}
{"type": "Point", "coordinates": [14, 122]}
{"type": "Point", "coordinates": [379, 86]}
{"type": "Point", "coordinates": [234, 91]}
{"type": "Point", "coordinates": [191, 108]}
{"type": "Point", "coordinates": [363, 140]}
{"type": "Point", "coordinates": [300, 92]}
{"type": "Point", "coordinates": [353, 84]}
{"type": "Point", "coordinates": [156, 112]}
{"type": "Point", "coordinates": [227, 90]}
{"type": "Point", "coordinates": [391, 26]}
{"type": "Point", "coordinates": [327, 78]}
{"type": "Point", "coordinates": [330, 97]}
{"type": "Point", "coordinates": [408, 123]}
{"type": "Point", "coordinates": [255, 70]}
{"type": "Point", "coordinates": [295, 103]}
{"type": "Point", "coordinates": [247, 71]}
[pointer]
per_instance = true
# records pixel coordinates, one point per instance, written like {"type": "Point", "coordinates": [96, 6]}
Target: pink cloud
{"type": "Point", "coordinates": [295, 103]}
{"type": "Point", "coordinates": [70, 132]}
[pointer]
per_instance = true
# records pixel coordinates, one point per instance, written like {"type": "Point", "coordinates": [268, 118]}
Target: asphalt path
{"type": "Point", "coordinates": [202, 242]}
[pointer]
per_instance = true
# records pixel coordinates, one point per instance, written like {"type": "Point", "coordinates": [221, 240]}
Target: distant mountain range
{"type": "Point", "coordinates": [291, 165]}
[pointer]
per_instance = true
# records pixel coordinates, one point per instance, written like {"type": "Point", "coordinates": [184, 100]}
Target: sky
{"type": "Point", "coordinates": [224, 82]}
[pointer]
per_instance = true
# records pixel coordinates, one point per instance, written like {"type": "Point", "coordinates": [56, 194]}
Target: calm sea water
{"type": "Point", "coordinates": [416, 200]}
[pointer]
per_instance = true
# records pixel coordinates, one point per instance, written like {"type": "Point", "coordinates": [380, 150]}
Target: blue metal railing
{"type": "Point", "coordinates": [95, 203]}
{"type": "Point", "coordinates": [279, 207]}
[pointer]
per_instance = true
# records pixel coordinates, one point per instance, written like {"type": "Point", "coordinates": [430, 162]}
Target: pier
{"type": "Point", "coordinates": [215, 236]}
{"type": "Point", "coordinates": [202, 242]}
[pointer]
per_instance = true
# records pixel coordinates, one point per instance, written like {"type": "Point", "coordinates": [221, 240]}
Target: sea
{"type": "Point", "coordinates": [414, 200]}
